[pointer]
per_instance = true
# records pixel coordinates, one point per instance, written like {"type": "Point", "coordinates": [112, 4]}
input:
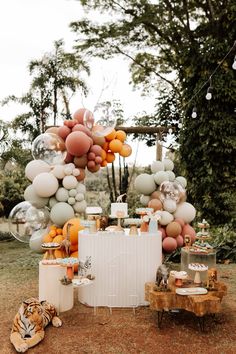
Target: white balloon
{"type": "Point", "coordinates": [35, 167]}
{"type": "Point", "coordinates": [72, 192]}
{"type": "Point", "coordinates": [182, 181]}
{"type": "Point", "coordinates": [71, 200]}
{"type": "Point", "coordinates": [69, 182]}
{"type": "Point", "coordinates": [80, 207]}
{"type": "Point", "coordinates": [33, 198]}
{"type": "Point", "coordinates": [68, 170]}
{"type": "Point", "coordinates": [45, 184]}
{"type": "Point", "coordinates": [81, 188]}
{"type": "Point", "coordinates": [52, 201]}
{"type": "Point", "coordinates": [144, 200]}
{"type": "Point", "coordinates": [171, 176]}
{"type": "Point", "coordinates": [166, 217]}
{"type": "Point", "coordinates": [79, 197]}
{"type": "Point", "coordinates": [61, 213]}
{"type": "Point", "coordinates": [62, 194]}
{"type": "Point", "coordinates": [58, 171]}
{"type": "Point", "coordinates": [76, 172]}
{"type": "Point", "coordinates": [160, 177]}
{"type": "Point", "coordinates": [157, 166]}
{"type": "Point", "coordinates": [185, 211]}
{"type": "Point", "coordinates": [36, 240]}
{"type": "Point", "coordinates": [144, 184]}
{"type": "Point", "coordinates": [169, 205]}
{"type": "Point", "coordinates": [168, 164]}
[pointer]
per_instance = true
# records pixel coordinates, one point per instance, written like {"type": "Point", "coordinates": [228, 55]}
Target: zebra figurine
{"type": "Point", "coordinates": [84, 266]}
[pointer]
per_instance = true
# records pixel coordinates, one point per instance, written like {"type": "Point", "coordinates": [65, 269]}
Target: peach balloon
{"type": "Point", "coordinates": [163, 232]}
{"type": "Point", "coordinates": [189, 230]}
{"type": "Point", "coordinates": [94, 168]}
{"type": "Point", "coordinates": [69, 158]}
{"type": "Point", "coordinates": [77, 143]}
{"type": "Point", "coordinates": [180, 240]}
{"type": "Point", "coordinates": [97, 149]}
{"type": "Point", "coordinates": [169, 244]}
{"type": "Point", "coordinates": [64, 131]}
{"type": "Point", "coordinates": [180, 221]}
{"type": "Point", "coordinates": [53, 130]}
{"type": "Point", "coordinates": [79, 115]}
{"type": "Point", "coordinates": [126, 150]}
{"type": "Point", "coordinates": [156, 204]}
{"type": "Point", "coordinates": [155, 195]}
{"type": "Point", "coordinates": [98, 140]}
{"type": "Point", "coordinates": [173, 229]}
{"type": "Point", "coordinates": [81, 176]}
{"type": "Point", "coordinates": [81, 161]}
{"type": "Point", "coordinates": [82, 128]}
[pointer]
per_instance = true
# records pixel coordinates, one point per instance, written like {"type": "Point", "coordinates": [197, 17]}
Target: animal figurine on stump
{"type": "Point", "coordinates": [162, 276]}
{"type": "Point", "coordinates": [29, 323]}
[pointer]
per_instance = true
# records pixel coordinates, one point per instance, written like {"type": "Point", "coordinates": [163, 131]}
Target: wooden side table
{"type": "Point", "coordinates": [200, 305]}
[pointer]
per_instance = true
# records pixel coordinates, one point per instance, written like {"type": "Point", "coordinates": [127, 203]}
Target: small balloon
{"type": "Point", "coordinates": [50, 148]}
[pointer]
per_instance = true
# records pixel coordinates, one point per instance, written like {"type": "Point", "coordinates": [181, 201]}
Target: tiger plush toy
{"type": "Point", "coordinates": [29, 323]}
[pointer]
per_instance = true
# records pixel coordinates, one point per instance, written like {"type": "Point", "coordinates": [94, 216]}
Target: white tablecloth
{"type": "Point", "coordinates": [121, 265]}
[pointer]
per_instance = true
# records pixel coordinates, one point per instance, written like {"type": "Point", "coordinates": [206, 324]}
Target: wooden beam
{"type": "Point", "coordinates": [144, 129]}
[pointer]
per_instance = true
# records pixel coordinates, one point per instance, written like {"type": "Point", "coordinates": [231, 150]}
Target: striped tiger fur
{"type": "Point", "coordinates": [29, 323]}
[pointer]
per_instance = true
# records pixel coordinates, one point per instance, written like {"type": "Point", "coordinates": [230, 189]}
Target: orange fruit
{"type": "Point", "coordinates": [58, 239]}
{"type": "Point", "coordinates": [115, 145]}
{"type": "Point", "coordinates": [47, 238]}
{"type": "Point", "coordinates": [74, 230]}
{"type": "Point", "coordinates": [59, 231]}
{"type": "Point", "coordinates": [110, 157]}
{"type": "Point", "coordinates": [121, 135]}
{"type": "Point", "coordinates": [52, 233]}
{"type": "Point", "coordinates": [126, 150]}
{"type": "Point", "coordinates": [59, 253]}
{"type": "Point", "coordinates": [111, 135]}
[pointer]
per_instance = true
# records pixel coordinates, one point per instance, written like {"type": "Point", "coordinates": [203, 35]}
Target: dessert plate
{"type": "Point", "coordinates": [81, 282]}
{"type": "Point", "coordinates": [191, 291]}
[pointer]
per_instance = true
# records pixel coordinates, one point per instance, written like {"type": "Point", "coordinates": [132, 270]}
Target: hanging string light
{"type": "Point", "coordinates": [194, 112]}
{"type": "Point", "coordinates": [209, 91]}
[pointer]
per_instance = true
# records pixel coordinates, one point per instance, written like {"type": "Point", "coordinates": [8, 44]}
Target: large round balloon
{"type": "Point", "coordinates": [71, 229]}
{"type": "Point", "coordinates": [36, 240]}
{"type": "Point", "coordinates": [169, 244]}
{"type": "Point", "coordinates": [144, 200]}
{"type": "Point", "coordinates": [105, 119]}
{"type": "Point", "coordinates": [185, 211]}
{"type": "Point", "coordinates": [37, 218]}
{"type": "Point", "coordinates": [78, 143]}
{"type": "Point", "coordinates": [45, 184]}
{"type": "Point", "coordinates": [50, 148]}
{"type": "Point", "coordinates": [144, 183]}
{"type": "Point", "coordinates": [31, 196]}
{"type": "Point", "coordinates": [166, 217]}
{"type": "Point", "coordinates": [61, 213]}
{"type": "Point", "coordinates": [173, 229]}
{"type": "Point", "coordinates": [157, 166]}
{"type": "Point", "coordinates": [35, 167]}
{"type": "Point", "coordinates": [168, 164]}
{"type": "Point", "coordinates": [17, 223]}
{"type": "Point", "coordinates": [169, 205]}
{"type": "Point", "coordinates": [160, 177]}
{"type": "Point", "coordinates": [156, 204]}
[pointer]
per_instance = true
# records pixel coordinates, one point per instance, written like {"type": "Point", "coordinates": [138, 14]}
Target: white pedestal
{"type": "Point", "coordinates": [121, 265]}
{"type": "Point", "coordinates": [51, 289]}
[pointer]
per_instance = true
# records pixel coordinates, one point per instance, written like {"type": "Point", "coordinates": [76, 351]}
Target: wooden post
{"type": "Point", "coordinates": [158, 147]}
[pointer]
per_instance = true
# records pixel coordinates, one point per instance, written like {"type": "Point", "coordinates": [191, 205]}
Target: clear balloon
{"type": "Point", "coordinates": [50, 148]}
{"type": "Point", "coordinates": [37, 218]}
{"type": "Point", "coordinates": [17, 223]}
{"type": "Point", "coordinates": [171, 190]}
{"type": "Point", "coordinates": [88, 119]}
{"type": "Point", "coordinates": [104, 119]}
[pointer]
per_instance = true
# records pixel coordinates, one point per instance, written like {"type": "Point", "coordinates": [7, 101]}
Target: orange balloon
{"type": "Point", "coordinates": [121, 135]}
{"type": "Point", "coordinates": [74, 230]}
{"type": "Point", "coordinates": [59, 231]}
{"type": "Point", "coordinates": [111, 135]}
{"type": "Point", "coordinates": [115, 145]}
{"type": "Point", "coordinates": [156, 204]}
{"type": "Point", "coordinates": [173, 229]}
{"type": "Point", "coordinates": [103, 155]}
{"type": "Point", "coordinates": [60, 253]}
{"type": "Point", "coordinates": [58, 239]}
{"type": "Point", "coordinates": [81, 175]}
{"type": "Point", "coordinates": [105, 146]}
{"type": "Point", "coordinates": [52, 233]}
{"type": "Point", "coordinates": [126, 150]}
{"type": "Point", "coordinates": [47, 238]}
{"type": "Point", "coordinates": [104, 163]}
{"type": "Point", "coordinates": [74, 247]}
{"type": "Point", "coordinates": [110, 157]}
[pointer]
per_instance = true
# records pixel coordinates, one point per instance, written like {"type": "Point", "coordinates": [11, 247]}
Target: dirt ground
{"type": "Point", "coordinates": [119, 332]}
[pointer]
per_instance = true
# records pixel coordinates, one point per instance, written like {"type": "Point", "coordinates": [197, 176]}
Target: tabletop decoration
{"type": "Point", "coordinates": [133, 223]}
{"type": "Point", "coordinates": [197, 267]}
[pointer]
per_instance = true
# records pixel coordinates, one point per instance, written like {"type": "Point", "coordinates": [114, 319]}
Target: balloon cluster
{"type": "Point", "coordinates": [61, 156]}
{"type": "Point", "coordinates": [166, 194]}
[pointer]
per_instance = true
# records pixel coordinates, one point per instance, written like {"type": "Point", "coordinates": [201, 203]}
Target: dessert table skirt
{"type": "Point", "coordinates": [51, 289]}
{"type": "Point", "coordinates": [121, 265]}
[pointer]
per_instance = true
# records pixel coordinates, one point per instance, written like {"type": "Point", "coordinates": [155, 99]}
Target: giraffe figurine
{"type": "Point", "coordinates": [66, 243]}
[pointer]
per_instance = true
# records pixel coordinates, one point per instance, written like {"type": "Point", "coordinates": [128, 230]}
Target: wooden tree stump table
{"type": "Point", "coordinates": [200, 305]}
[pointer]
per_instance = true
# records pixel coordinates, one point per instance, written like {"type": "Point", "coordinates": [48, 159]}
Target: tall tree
{"type": "Point", "coordinates": [177, 46]}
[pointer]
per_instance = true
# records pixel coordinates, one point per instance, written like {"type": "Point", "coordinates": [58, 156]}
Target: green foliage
{"type": "Point", "coordinates": [187, 39]}
{"type": "Point", "coordinates": [12, 186]}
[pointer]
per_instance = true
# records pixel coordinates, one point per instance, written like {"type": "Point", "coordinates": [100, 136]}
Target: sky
{"type": "Point", "coordinates": [28, 29]}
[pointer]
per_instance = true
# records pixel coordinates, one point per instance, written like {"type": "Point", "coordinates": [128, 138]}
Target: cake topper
{"type": "Point", "coordinates": [120, 198]}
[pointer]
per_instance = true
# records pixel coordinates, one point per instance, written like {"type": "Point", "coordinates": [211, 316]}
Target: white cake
{"type": "Point", "coordinates": [119, 210]}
